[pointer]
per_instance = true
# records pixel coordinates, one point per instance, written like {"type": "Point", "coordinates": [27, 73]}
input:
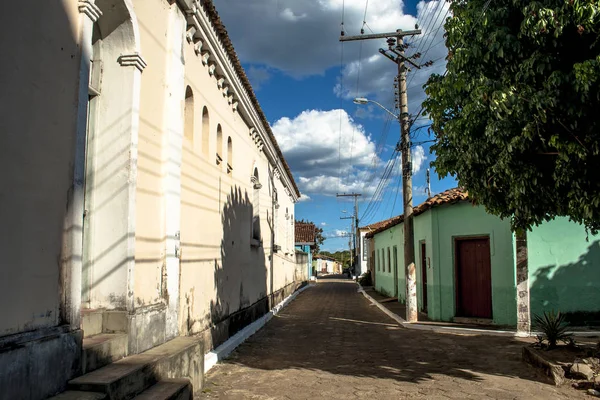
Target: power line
{"type": "Point", "coordinates": [341, 99]}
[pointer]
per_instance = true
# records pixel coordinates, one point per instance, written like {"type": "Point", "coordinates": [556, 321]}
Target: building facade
{"type": "Point", "coordinates": [305, 241]}
{"type": "Point", "coordinates": [466, 265]}
{"type": "Point", "coordinates": [152, 200]}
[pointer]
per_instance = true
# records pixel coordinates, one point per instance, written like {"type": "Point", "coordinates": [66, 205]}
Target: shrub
{"type": "Point", "coordinates": [554, 328]}
{"type": "Point", "coordinates": [365, 279]}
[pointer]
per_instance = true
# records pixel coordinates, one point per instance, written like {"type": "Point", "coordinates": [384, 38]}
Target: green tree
{"type": "Point", "coordinates": [517, 115]}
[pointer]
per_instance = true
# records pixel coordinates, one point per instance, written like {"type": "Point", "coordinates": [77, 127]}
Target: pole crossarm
{"type": "Point", "coordinates": [398, 33]}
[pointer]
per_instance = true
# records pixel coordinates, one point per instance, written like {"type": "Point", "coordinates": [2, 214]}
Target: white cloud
{"type": "Point", "coordinates": [288, 15]}
{"type": "Point", "coordinates": [323, 223]}
{"type": "Point", "coordinates": [418, 158]}
{"type": "Point", "coordinates": [337, 233]}
{"type": "Point", "coordinates": [301, 38]}
{"type": "Point", "coordinates": [311, 143]}
{"type": "Point", "coordinates": [326, 162]}
{"type": "Point", "coordinates": [304, 197]}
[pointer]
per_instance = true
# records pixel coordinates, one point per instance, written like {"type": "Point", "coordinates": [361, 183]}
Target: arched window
{"type": "Point", "coordinates": [229, 155]}
{"type": "Point", "coordinates": [219, 144]}
{"type": "Point", "coordinates": [256, 185]}
{"type": "Point", "coordinates": [205, 131]}
{"type": "Point", "coordinates": [188, 115]}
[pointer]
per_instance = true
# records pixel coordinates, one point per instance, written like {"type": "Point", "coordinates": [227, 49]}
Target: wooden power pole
{"type": "Point", "coordinates": [396, 47]}
{"type": "Point", "coordinates": [354, 226]}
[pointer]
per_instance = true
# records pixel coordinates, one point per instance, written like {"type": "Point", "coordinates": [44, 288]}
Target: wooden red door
{"type": "Point", "coordinates": [424, 275]}
{"type": "Point", "coordinates": [473, 278]}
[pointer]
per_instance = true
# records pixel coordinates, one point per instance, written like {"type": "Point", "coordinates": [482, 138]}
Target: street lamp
{"type": "Point", "coordinates": [409, 233]}
{"type": "Point", "coordinates": [363, 100]}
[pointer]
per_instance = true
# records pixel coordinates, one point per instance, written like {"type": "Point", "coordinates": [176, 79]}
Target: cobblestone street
{"type": "Point", "coordinates": [331, 343]}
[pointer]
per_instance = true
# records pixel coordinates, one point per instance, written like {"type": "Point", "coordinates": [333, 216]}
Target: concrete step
{"type": "Point", "coordinates": [103, 349]}
{"type": "Point", "coordinates": [182, 357]}
{"type": "Point", "coordinates": [76, 395]}
{"type": "Point", "coordinates": [91, 322]}
{"type": "Point", "coordinates": [168, 389]}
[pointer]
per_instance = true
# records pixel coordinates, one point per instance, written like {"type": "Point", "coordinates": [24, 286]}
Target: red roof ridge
{"type": "Point", "coordinates": [449, 196]}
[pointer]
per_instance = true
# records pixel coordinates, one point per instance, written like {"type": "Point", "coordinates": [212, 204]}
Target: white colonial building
{"type": "Point", "coordinates": [144, 197]}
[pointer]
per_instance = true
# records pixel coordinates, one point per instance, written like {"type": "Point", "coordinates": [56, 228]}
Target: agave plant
{"type": "Point", "coordinates": [554, 328]}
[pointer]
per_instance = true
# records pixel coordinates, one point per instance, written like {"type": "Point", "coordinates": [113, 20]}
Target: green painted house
{"type": "Point", "coordinates": [465, 262]}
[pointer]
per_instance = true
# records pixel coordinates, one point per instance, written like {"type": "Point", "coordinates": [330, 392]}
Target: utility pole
{"type": "Point", "coordinates": [350, 238]}
{"type": "Point", "coordinates": [355, 224]}
{"type": "Point", "coordinates": [395, 41]}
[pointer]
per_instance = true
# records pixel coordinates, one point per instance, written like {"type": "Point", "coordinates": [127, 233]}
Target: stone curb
{"type": "Point", "coordinates": [213, 357]}
{"type": "Point", "coordinates": [535, 358]}
{"type": "Point", "coordinates": [439, 329]}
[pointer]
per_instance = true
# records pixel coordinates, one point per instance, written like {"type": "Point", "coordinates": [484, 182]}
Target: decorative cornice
{"type": "Point", "coordinates": [88, 8]}
{"type": "Point", "coordinates": [218, 54]}
{"type": "Point", "coordinates": [132, 60]}
{"type": "Point", "coordinates": [189, 35]}
{"type": "Point", "coordinates": [198, 46]}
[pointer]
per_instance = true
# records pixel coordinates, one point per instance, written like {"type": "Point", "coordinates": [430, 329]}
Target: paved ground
{"type": "Point", "coordinates": [331, 343]}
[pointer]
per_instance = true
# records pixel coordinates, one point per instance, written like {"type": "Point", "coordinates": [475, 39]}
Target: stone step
{"type": "Point", "coordinates": [182, 357]}
{"type": "Point", "coordinates": [91, 322]}
{"type": "Point", "coordinates": [76, 395]}
{"type": "Point", "coordinates": [103, 349]}
{"type": "Point", "coordinates": [168, 389]}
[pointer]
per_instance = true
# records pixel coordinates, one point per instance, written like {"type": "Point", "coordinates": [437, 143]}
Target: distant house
{"type": "Point", "coordinates": [365, 248]}
{"type": "Point", "coordinates": [466, 268]}
{"type": "Point", "coordinates": [326, 265]}
{"type": "Point", "coordinates": [305, 241]}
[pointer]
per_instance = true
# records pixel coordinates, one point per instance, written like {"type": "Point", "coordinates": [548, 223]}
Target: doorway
{"type": "Point", "coordinates": [424, 275]}
{"type": "Point", "coordinates": [473, 278]}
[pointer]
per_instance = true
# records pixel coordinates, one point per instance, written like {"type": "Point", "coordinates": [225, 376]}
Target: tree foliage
{"type": "Point", "coordinates": [342, 256]}
{"type": "Point", "coordinates": [517, 115]}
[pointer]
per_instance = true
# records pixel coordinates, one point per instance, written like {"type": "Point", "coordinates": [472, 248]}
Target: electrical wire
{"type": "Point", "coordinates": [341, 101]}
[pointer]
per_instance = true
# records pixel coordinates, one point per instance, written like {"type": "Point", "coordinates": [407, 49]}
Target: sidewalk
{"type": "Point", "coordinates": [397, 311]}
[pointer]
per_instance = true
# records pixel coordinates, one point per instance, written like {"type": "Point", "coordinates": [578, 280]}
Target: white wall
{"type": "Point", "coordinates": [39, 80]}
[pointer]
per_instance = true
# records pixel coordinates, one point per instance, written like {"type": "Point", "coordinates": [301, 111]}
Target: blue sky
{"type": "Point", "coordinates": [305, 84]}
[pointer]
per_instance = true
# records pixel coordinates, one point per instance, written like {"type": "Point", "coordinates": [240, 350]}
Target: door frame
{"type": "Point", "coordinates": [423, 274]}
{"type": "Point", "coordinates": [455, 241]}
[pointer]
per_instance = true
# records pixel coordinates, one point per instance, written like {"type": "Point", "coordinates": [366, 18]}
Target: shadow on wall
{"type": "Point", "coordinates": [241, 279]}
{"type": "Point", "coordinates": [572, 289]}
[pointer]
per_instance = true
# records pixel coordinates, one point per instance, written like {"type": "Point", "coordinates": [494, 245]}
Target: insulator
{"type": "Point", "coordinates": [342, 33]}
{"type": "Point", "coordinates": [362, 31]}
{"type": "Point", "coordinates": [391, 42]}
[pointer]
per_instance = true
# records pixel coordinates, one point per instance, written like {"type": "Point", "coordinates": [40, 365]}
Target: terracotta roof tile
{"type": "Point", "coordinates": [237, 65]}
{"type": "Point", "coordinates": [304, 232]}
{"type": "Point", "coordinates": [450, 196]}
